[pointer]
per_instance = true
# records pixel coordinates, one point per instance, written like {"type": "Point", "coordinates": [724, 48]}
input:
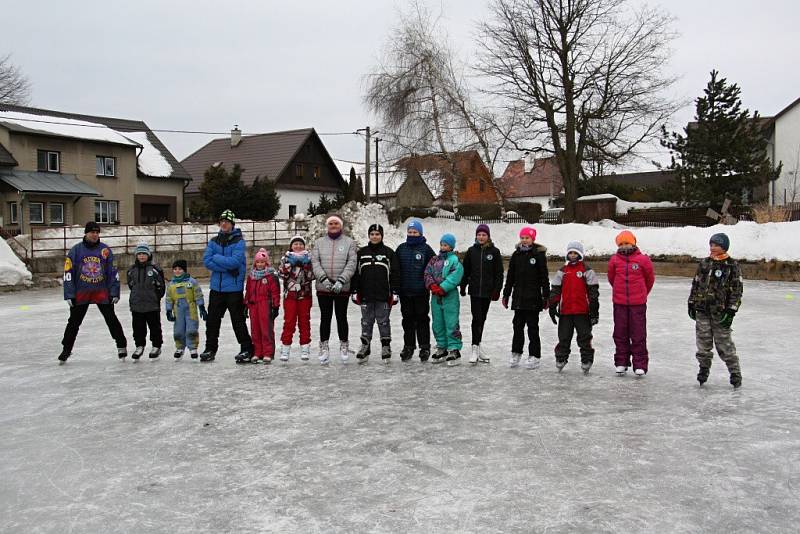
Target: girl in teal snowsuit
{"type": "Point", "coordinates": [442, 277]}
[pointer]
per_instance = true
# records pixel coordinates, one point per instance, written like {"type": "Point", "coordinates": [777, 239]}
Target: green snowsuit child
{"type": "Point", "coordinates": [442, 277]}
{"type": "Point", "coordinates": [184, 297]}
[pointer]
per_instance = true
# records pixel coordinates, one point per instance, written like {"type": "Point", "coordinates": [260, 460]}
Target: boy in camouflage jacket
{"type": "Point", "coordinates": [713, 302]}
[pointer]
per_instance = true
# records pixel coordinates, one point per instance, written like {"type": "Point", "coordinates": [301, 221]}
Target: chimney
{"type": "Point", "coordinates": [236, 136]}
{"type": "Point", "coordinates": [529, 161]}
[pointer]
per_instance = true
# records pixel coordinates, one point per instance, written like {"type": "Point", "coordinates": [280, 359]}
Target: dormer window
{"type": "Point", "coordinates": [106, 166]}
{"type": "Point", "coordinates": [298, 170]}
{"type": "Point", "coordinates": [48, 161]}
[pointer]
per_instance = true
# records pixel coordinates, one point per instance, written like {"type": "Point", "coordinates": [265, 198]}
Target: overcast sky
{"type": "Point", "coordinates": [275, 65]}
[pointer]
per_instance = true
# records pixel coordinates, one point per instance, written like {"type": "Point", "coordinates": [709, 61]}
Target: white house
{"type": "Point", "coordinates": [784, 148]}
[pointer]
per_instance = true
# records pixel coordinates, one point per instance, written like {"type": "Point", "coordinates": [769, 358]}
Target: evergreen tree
{"type": "Point", "coordinates": [261, 202]}
{"type": "Point", "coordinates": [724, 152]}
{"type": "Point", "coordinates": [219, 191]}
{"type": "Point", "coordinates": [359, 192]}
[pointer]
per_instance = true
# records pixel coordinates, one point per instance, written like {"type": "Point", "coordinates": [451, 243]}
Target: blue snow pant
{"type": "Point", "coordinates": [444, 313]}
{"type": "Point", "coordinates": [186, 329]}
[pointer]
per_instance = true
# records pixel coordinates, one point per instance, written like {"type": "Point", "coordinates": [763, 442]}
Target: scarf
{"type": "Point", "coordinates": [335, 235]}
{"type": "Point", "coordinates": [258, 274]}
{"type": "Point", "coordinates": [523, 248]}
{"type": "Point", "coordinates": [180, 278]}
{"type": "Point", "coordinates": [626, 252]}
{"type": "Point", "coordinates": [722, 257]}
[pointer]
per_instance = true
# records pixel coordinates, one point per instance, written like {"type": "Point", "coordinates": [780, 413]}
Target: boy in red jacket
{"type": "Point", "coordinates": [575, 298]}
{"type": "Point", "coordinates": [631, 276]}
{"type": "Point", "coordinates": [262, 299]}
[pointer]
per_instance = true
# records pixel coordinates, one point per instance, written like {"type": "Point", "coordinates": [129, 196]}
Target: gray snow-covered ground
{"type": "Point", "coordinates": [99, 445]}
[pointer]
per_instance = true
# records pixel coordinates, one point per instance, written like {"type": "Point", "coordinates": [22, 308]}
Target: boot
{"type": "Point", "coordinates": [736, 380]}
{"type": "Point", "coordinates": [702, 375]}
{"type": "Point", "coordinates": [560, 364]}
{"type": "Point", "coordinates": [137, 353]}
{"type": "Point", "coordinates": [386, 352]}
{"type": "Point", "coordinates": [406, 354]}
{"type": "Point", "coordinates": [305, 352]}
{"type": "Point", "coordinates": [324, 353]}
{"type": "Point", "coordinates": [179, 353]}
{"type": "Point", "coordinates": [155, 352]}
{"type": "Point", "coordinates": [621, 370]}
{"type": "Point", "coordinates": [256, 359]}
{"type": "Point", "coordinates": [193, 354]}
{"type": "Point", "coordinates": [439, 355]}
{"type": "Point", "coordinates": [344, 351]}
{"type": "Point", "coordinates": [639, 372]}
{"type": "Point", "coordinates": [588, 365]}
{"type": "Point", "coordinates": [267, 359]}
{"type": "Point", "coordinates": [64, 355]}
{"type": "Point", "coordinates": [243, 357]}
{"type": "Point", "coordinates": [363, 353]}
{"type": "Point", "coordinates": [424, 354]}
{"type": "Point", "coordinates": [208, 355]}
{"type": "Point", "coordinates": [453, 358]}
{"type": "Point", "coordinates": [532, 362]}
{"type": "Point", "coordinates": [122, 353]}
{"type": "Point", "coordinates": [513, 361]}
{"type": "Point", "coordinates": [476, 354]}
{"type": "Point", "coordinates": [285, 349]}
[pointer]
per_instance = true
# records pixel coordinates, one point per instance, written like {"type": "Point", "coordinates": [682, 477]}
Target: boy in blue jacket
{"type": "Point", "coordinates": [225, 257]}
{"type": "Point", "coordinates": [413, 256]}
{"type": "Point", "coordinates": [90, 278]}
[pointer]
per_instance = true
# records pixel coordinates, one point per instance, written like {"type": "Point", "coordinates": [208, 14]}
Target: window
{"type": "Point", "coordinates": [12, 211]}
{"type": "Point", "coordinates": [106, 166]}
{"type": "Point", "coordinates": [48, 161]}
{"type": "Point", "coordinates": [316, 172]}
{"type": "Point", "coordinates": [36, 211]}
{"type": "Point", "coordinates": [106, 211]}
{"type": "Point", "coordinates": [482, 186]}
{"type": "Point", "coordinates": [292, 210]}
{"type": "Point", "coordinates": [298, 170]}
{"type": "Point", "coordinates": [55, 212]}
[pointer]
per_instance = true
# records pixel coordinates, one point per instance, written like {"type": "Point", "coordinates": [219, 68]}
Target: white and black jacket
{"type": "Point", "coordinates": [378, 273]}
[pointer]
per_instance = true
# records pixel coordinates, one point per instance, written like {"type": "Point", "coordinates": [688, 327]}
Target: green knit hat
{"type": "Point", "coordinates": [229, 216]}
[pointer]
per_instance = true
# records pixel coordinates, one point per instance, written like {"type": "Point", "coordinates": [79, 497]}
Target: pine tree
{"type": "Point", "coordinates": [724, 152]}
{"type": "Point", "coordinates": [261, 202]}
{"type": "Point", "coordinates": [219, 191]}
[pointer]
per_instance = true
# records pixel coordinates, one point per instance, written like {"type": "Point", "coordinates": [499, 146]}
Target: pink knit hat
{"type": "Point", "coordinates": [261, 255]}
{"type": "Point", "coordinates": [528, 231]}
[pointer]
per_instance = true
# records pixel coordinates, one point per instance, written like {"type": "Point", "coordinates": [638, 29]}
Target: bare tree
{"type": "Point", "coordinates": [15, 88]}
{"type": "Point", "coordinates": [585, 78]}
{"type": "Point", "coordinates": [419, 92]}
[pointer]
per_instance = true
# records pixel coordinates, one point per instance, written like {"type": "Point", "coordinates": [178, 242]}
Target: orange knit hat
{"type": "Point", "coordinates": [626, 237]}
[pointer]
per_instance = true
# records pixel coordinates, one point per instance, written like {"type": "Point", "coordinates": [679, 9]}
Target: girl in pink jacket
{"type": "Point", "coordinates": [631, 276]}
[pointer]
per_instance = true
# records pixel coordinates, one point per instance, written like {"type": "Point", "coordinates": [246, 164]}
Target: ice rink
{"type": "Point", "coordinates": [99, 445]}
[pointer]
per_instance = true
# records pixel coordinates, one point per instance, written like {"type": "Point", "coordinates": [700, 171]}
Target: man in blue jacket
{"type": "Point", "coordinates": [413, 256]}
{"type": "Point", "coordinates": [90, 278]}
{"type": "Point", "coordinates": [225, 257]}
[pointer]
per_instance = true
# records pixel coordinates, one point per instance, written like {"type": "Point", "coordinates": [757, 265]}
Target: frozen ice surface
{"type": "Point", "coordinates": [99, 445]}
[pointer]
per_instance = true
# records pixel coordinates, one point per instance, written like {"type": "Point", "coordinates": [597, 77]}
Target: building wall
{"type": "Point", "coordinates": [413, 193]}
{"type": "Point", "coordinates": [787, 150]}
{"type": "Point", "coordinates": [298, 198]}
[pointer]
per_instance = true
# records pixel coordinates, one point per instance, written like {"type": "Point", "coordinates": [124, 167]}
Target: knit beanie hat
{"type": "Point", "coordinates": [375, 228]}
{"type": "Point", "coordinates": [449, 239]}
{"type": "Point", "coordinates": [91, 226]}
{"type": "Point", "coordinates": [483, 228]}
{"type": "Point", "coordinates": [143, 248]}
{"type": "Point", "coordinates": [626, 237]}
{"type": "Point", "coordinates": [575, 246]}
{"type": "Point", "coordinates": [334, 218]}
{"type": "Point", "coordinates": [415, 225]}
{"type": "Point", "coordinates": [228, 215]}
{"type": "Point", "coordinates": [182, 264]}
{"type": "Point", "coordinates": [722, 240]}
{"type": "Point", "coordinates": [528, 231]}
{"type": "Point", "coordinates": [297, 238]}
{"type": "Point", "coordinates": [261, 255]}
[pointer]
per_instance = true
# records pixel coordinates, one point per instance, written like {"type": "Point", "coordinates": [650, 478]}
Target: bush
{"type": "Point", "coordinates": [764, 213]}
{"type": "Point", "coordinates": [398, 215]}
{"type": "Point", "coordinates": [484, 211]}
{"type": "Point", "coordinates": [530, 211]}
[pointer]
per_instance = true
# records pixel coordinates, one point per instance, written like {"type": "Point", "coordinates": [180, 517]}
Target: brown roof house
{"type": "Point", "coordinates": [296, 161]}
{"type": "Point", "coordinates": [60, 168]}
{"type": "Point", "coordinates": [435, 170]}
{"type": "Point", "coordinates": [532, 180]}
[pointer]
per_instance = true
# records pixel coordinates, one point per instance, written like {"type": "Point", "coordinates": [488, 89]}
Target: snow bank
{"type": "Point", "coordinates": [60, 126]}
{"type": "Point", "coordinates": [623, 205]}
{"type": "Point", "coordinates": [151, 161]}
{"type": "Point", "coordinates": [12, 271]}
{"type": "Point", "coordinates": [357, 220]}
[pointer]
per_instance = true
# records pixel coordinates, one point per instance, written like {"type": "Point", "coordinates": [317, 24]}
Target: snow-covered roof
{"type": "Point", "coordinates": [151, 161]}
{"type": "Point", "coordinates": [62, 127]}
{"type": "Point", "coordinates": [623, 205]}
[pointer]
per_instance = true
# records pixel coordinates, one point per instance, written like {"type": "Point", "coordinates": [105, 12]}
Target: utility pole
{"type": "Point", "coordinates": [377, 174]}
{"type": "Point", "coordinates": [366, 168]}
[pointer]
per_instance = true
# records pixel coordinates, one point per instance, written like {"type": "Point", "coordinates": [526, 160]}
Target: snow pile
{"type": "Point", "coordinates": [749, 240]}
{"type": "Point", "coordinates": [12, 271]}
{"type": "Point", "coordinates": [357, 220]}
{"type": "Point", "coordinates": [62, 127]}
{"type": "Point", "coordinates": [151, 161]}
{"type": "Point", "coordinates": [623, 205]}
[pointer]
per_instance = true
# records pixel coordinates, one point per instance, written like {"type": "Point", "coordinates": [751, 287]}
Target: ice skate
{"type": "Point", "coordinates": [324, 353]}
{"type": "Point", "coordinates": [179, 354]}
{"type": "Point", "coordinates": [243, 357]}
{"type": "Point", "coordinates": [386, 354]}
{"type": "Point", "coordinates": [439, 355]}
{"type": "Point", "coordinates": [193, 354]}
{"type": "Point", "coordinates": [736, 380]}
{"type": "Point", "coordinates": [267, 359]}
{"type": "Point", "coordinates": [532, 362]}
{"type": "Point", "coordinates": [639, 373]}
{"type": "Point", "coordinates": [560, 364]}
{"type": "Point", "coordinates": [137, 353]}
{"type": "Point", "coordinates": [453, 358]}
{"type": "Point", "coordinates": [406, 354]}
{"type": "Point", "coordinates": [364, 351]}
{"type": "Point", "coordinates": [476, 354]}
{"type": "Point", "coordinates": [155, 352]}
{"type": "Point", "coordinates": [482, 356]}
{"type": "Point", "coordinates": [122, 353]}
{"type": "Point", "coordinates": [621, 370]}
{"type": "Point", "coordinates": [208, 356]}
{"type": "Point", "coordinates": [305, 352]}
{"type": "Point", "coordinates": [513, 360]}
{"type": "Point", "coordinates": [64, 355]}
{"type": "Point", "coordinates": [585, 366]}
{"type": "Point", "coordinates": [702, 375]}
{"type": "Point", "coordinates": [256, 359]}
{"type": "Point", "coordinates": [424, 354]}
{"type": "Point", "coordinates": [344, 351]}
{"type": "Point", "coordinates": [285, 349]}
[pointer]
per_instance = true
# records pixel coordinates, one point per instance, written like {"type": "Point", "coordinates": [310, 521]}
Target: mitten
{"type": "Point", "coordinates": [337, 287]}
{"type": "Point", "coordinates": [727, 318]}
{"type": "Point", "coordinates": [170, 316]}
{"type": "Point", "coordinates": [593, 320]}
{"type": "Point", "coordinates": [114, 300]}
{"type": "Point", "coordinates": [203, 313]}
{"type": "Point", "coordinates": [554, 313]}
{"type": "Point", "coordinates": [505, 302]}
{"type": "Point", "coordinates": [496, 296]}
{"type": "Point", "coordinates": [273, 313]}
{"type": "Point", "coordinates": [392, 300]}
{"type": "Point", "coordinates": [246, 312]}
{"type": "Point", "coordinates": [692, 312]}
{"type": "Point", "coordinates": [356, 299]}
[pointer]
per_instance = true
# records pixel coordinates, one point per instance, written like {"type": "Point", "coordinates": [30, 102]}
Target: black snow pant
{"type": "Point", "coordinates": [416, 321]}
{"type": "Point", "coordinates": [529, 318]}
{"type": "Point", "coordinates": [327, 305]}
{"type": "Point", "coordinates": [76, 315]}
{"type": "Point", "coordinates": [142, 321]}
{"type": "Point", "coordinates": [567, 326]}
{"type": "Point", "coordinates": [218, 303]}
{"type": "Point", "coordinates": [479, 308]}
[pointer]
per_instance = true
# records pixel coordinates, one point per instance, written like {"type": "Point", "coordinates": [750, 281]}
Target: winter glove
{"type": "Point", "coordinates": [71, 302]}
{"type": "Point", "coordinates": [305, 259]}
{"type": "Point", "coordinates": [273, 313]}
{"type": "Point", "coordinates": [727, 318]}
{"type": "Point", "coordinates": [170, 316]}
{"type": "Point", "coordinates": [554, 313]}
{"type": "Point", "coordinates": [114, 300]}
{"type": "Point", "coordinates": [594, 320]}
{"type": "Point", "coordinates": [505, 302]}
{"type": "Point", "coordinates": [437, 290]}
{"type": "Point", "coordinates": [495, 296]}
{"type": "Point", "coordinates": [203, 313]}
{"type": "Point", "coordinates": [246, 312]}
{"type": "Point", "coordinates": [337, 287]}
{"type": "Point", "coordinates": [326, 284]}
{"type": "Point", "coordinates": [392, 300]}
{"type": "Point", "coordinates": [692, 312]}
{"type": "Point", "coordinates": [463, 291]}
{"type": "Point", "coordinates": [356, 299]}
